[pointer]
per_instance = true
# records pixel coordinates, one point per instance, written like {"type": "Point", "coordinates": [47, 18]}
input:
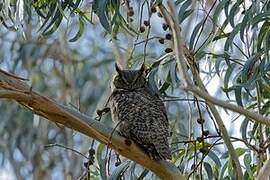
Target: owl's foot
{"type": "Point", "coordinates": [101, 112]}
{"type": "Point", "coordinates": [105, 110]}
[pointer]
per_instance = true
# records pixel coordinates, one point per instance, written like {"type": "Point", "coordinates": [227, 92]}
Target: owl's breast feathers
{"type": "Point", "coordinates": [142, 117]}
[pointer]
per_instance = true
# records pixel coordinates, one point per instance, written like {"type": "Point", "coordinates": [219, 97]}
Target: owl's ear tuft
{"type": "Point", "coordinates": [117, 68]}
{"type": "Point", "coordinates": [142, 69]}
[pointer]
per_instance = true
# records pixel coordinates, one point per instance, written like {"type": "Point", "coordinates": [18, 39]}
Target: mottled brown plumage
{"type": "Point", "coordinates": [141, 114]}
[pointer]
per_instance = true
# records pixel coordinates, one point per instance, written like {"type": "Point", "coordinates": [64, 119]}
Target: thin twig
{"type": "Point", "coordinates": [62, 146]}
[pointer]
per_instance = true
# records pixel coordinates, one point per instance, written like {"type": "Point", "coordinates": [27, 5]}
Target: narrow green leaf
{"type": "Point", "coordinates": [221, 36]}
{"type": "Point", "coordinates": [173, 73]}
{"type": "Point", "coordinates": [229, 41]}
{"type": "Point", "coordinates": [76, 4]}
{"type": "Point", "coordinates": [217, 64]}
{"type": "Point", "coordinates": [223, 169]}
{"type": "Point", "coordinates": [215, 158]}
{"type": "Point", "coordinates": [261, 36]}
{"type": "Point", "coordinates": [116, 174]}
{"type": "Point", "coordinates": [240, 151]}
{"type": "Point", "coordinates": [163, 72]}
{"type": "Point", "coordinates": [267, 44]}
{"type": "Point", "coordinates": [100, 8]}
{"type": "Point", "coordinates": [101, 162]}
{"type": "Point", "coordinates": [80, 31]}
{"type": "Point", "coordinates": [208, 170]}
{"type": "Point", "coordinates": [40, 13]}
{"type": "Point", "coordinates": [194, 34]}
{"type": "Point", "coordinates": [177, 2]}
{"type": "Point", "coordinates": [182, 10]}
{"type": "Point", "coordinates": [52, 10]}
{"type": "Point", "coordinates": [143, 174]}
{"type": "Point", "coordinates": [246, 22]}
{"type": "Point", "coordinates": [238, 95]}
{"type": "Point", "coordinates": [248, 66]}
{"type": "Point", "coordinates": [55, 26]}
{"type": "Point", "coordinates": [151, 82]}
{"type": "Point", "coordinates": [227, 76]}
{"type": "Point", "coordinates": [56, 20]}
{"type": "Point", "coordinates": [185, 15]}
{"type": "Point", "coordinates": [218, 10]}
{"type": "Point", "coordinates": [164, 87]}
{"type": "Point", "coordinates": [247, 162]}
{"type": "Point", "coordinates": [243, 129]}
{"type": "Point", "coordinates": [260, 17]}
{"type": "Point", "coordinates": [123, 24]}
{"type": "Point", "coordinates": [234, 10]}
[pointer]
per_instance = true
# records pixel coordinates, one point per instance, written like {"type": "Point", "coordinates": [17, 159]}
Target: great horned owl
{"type": "Point", "coordinates": [140, 113]}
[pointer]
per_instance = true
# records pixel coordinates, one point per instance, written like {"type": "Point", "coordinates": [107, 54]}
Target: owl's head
{"type": "Point", "coordinates": [130, 79]}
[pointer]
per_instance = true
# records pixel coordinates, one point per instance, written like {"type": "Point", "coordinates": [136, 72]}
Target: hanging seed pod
{"type": "Point", "coordinates": [146, 23]}
{"type": "Point", "coordinates": [91, 151]}
{"type": "Point", "coordinates": [168, 36]}
{"type": "Point", "coordinates": [161, 40]}
{"type": "Point", "coordinates": [205, 133]}
{"type": "Point", "coordinates": [165, 26]}
{"type": "Point", "coordinates": [142, 29]}
{"type": "Point", "coordinates": [130, 12]}
{"type": "Point", "coordinates": [199, 139]}
{"type": "Point", "coordinates": [117, 164]}
{"type": "Point", "coordinates": [200, 121]}
{"type": "Point", "coordinates": [168, 50]}
{"type": "Point", "coordinates": [204, 150]}
{"type": "Point", "coordinates": [159, 15]}
{"type": "Point", "coordinates": [153, 9]}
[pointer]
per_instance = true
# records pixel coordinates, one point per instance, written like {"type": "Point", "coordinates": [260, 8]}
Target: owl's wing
{"type": "Point", "coordinates": [153, 140]}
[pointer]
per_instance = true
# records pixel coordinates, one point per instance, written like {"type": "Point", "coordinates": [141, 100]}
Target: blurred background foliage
{"type": "Point", "coordinates": [67, 48]}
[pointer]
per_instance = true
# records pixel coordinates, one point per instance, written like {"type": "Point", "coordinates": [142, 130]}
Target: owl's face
{"type": "Point", "coordinates": [130, 79]}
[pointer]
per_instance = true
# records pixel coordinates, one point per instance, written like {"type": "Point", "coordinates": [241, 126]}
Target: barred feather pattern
{"type": "Point", "coordinates": [142, 118]}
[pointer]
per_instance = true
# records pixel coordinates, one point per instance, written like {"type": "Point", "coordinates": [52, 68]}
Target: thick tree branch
{"type": "Point", "coordinates": [14, 88]}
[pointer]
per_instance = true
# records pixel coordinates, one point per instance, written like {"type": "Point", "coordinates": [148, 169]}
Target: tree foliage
{"type": "Point", "coordinates": [67, 50]}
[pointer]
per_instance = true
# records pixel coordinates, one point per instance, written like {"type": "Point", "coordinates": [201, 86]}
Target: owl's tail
{"type": "Point", "coordinates": [158, 151]}
{"type": "Point", "coordinates": [162, 151]}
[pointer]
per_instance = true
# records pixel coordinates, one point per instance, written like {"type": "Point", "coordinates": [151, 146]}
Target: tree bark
{"type": "Point", "coordinates": [14, 88]}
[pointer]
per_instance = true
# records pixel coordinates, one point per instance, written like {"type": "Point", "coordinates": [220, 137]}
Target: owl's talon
{"type": "Point", "coordinates": [105, 110]}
